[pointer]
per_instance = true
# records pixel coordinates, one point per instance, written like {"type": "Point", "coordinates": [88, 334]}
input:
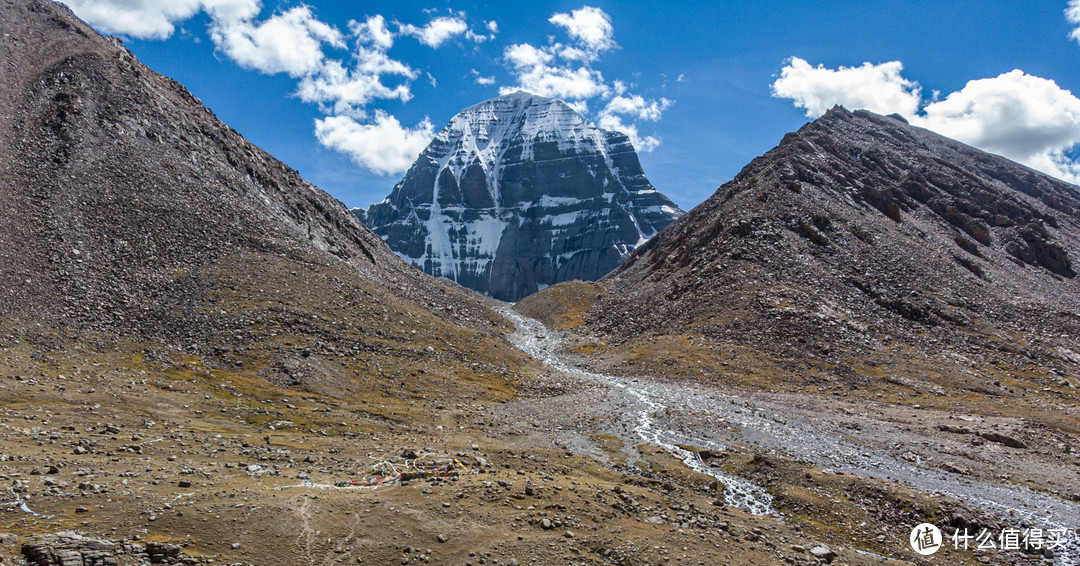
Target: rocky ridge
{"type": "Point", "coordinates": [133, 212]}
{"type": "Point", "coordinates": [861, 254]}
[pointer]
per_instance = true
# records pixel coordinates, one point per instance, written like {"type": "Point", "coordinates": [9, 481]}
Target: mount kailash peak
{"type": "Point", "coordinates": [518, 193]}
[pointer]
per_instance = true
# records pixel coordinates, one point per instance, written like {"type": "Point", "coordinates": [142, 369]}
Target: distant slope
{"type": "Point", "coordinates": [131, 211]}
{"type": "Point", "coordinates": [860, 250]}
{"type": "Point", "coordinates": [520, 192]}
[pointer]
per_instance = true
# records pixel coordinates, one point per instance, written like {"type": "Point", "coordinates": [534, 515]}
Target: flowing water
{"type": "Point", "coordinates": [667, 415]}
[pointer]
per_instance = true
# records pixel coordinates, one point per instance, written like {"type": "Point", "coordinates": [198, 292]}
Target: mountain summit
{"type": "Point", "coordinates": [520, 192]}
{"type": "Point", "coordinates": [859, 243]}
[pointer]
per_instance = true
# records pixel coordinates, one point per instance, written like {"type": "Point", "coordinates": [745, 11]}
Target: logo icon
{"type": "Point", "coordinates": [925, 539]}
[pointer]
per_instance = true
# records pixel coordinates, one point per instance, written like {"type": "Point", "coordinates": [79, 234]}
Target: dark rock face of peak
{"type": "Point", "coordinates": [518, 193]}
{"type": "Point", "coordinates": [856, 233]}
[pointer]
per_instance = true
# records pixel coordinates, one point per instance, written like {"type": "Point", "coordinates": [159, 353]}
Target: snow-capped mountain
{"type": "Point", "coordinates": [520, 192]}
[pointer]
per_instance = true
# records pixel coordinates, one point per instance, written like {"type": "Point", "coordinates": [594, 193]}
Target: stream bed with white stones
{"type": "Point", "coordinates": [669, 415]}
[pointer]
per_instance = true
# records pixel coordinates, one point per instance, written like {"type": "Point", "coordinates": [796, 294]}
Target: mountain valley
{"type": "Point", "coordinates": [204, 359]}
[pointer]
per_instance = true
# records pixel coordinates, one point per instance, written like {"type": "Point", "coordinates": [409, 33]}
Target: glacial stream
{"type": "Point", "coordinates": [666, 415]}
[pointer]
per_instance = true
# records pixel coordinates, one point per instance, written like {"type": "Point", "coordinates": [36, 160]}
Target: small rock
{"type": "Point", "coordinates": [1003, 439]}
{"type": "Point", "coordinates": [235, 545]}
{"type": "Point", "coordinates": [183, 483]}
{"type": "Point", "coordinates": [955, 468]}
{"type": "Point", "coordinates": [546, 524]}
{"type": "Point", "coordinates": [568, 534]}
{"type": "Point", "coordinates": [822, 552]}
{"type": "Point", "coordinates": [442, 538]}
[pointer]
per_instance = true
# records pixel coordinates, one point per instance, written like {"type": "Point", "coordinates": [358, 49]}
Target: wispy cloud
{"type": "Point", "coordinates": [436, 32]}
{"type": "Point", "coordinates": [480, 79]}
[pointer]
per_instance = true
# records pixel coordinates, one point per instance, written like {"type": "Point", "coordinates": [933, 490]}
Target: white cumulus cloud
{"type": "Point", "coordinates": [524, 56]}
{"type": "Point", "coordinates": [1023, 117]}
{"type": "Point", "coordinates": [560, 82]}
{"type": "Point", "coordinates": [480, 79]}
{"type": "Point", "coordinates": [1072, 14]}
{"type": "Point", "coordinates": [635, 107]}
{"type": "Point", "coordinates": [154, 19]}
{"type": "Point", "coordinates": [436, 32]}
{"type": "Point", "coordinates": [615, 122]}
{"type": "Point", "coordinates": [345, 91]}
{"type": "Point", "coordinates": [373, 31]}
{"type": "Point", "coordinates": [566, 71]}
{"type": "Point", "coordinates": [290, 42]}
{"type": "Point", "coordinates": [382, 145]}
{"type": "Point", "coordinates": [590, 26]}
{"type": "Point", "coordinates": [1026, 118]}
{"type": "Point", "coordinates": [878, 88]}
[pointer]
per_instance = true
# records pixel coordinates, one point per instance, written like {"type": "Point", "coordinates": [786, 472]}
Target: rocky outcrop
{"type": "Point", "coordinates": [70, 548]}
{"type": "Point", "coordinates": [518, 193]}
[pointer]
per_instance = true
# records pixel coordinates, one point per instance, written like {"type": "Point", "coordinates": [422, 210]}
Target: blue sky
{"type": "Point", "coordinates": [349, 92]}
